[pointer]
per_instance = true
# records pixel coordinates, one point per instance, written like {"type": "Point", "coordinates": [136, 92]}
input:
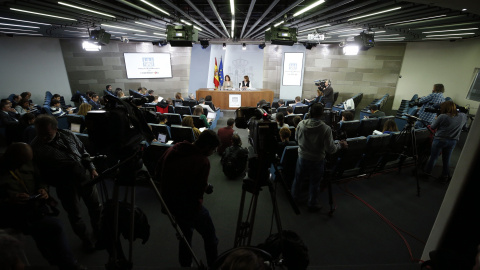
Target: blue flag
{"type": "Point", "coordinates": [220, 72]}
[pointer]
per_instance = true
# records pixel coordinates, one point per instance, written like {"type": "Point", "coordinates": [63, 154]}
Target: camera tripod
{"type": "Point", "coordinates": [117, 259]}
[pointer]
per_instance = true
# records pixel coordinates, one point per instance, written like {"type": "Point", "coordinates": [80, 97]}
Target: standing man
{"type": "Point", "coordinates": [183, 192]}
{"type": "Point", "coordinates": [225, 136]}
{"type": "Point", "coordinates": [432, 100]}
{"type": "Point", "coordinates": [314, 139]}
{"type": "Point", "coordinates": [327, 94]}
{"type": "Point", "coordinates": [65, 164]}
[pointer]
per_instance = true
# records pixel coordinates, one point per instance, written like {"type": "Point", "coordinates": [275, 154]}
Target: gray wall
{"type": "Point", "coordinates": [94, 70]}
{"type": "Point", "coordinates": [374, 72]}
{"type": "Point", "coordinates": [32, 65]}
{"type": "Point", "coordinates": [200, 68]}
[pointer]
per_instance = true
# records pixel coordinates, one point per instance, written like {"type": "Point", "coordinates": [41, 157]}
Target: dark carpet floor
{"type": "Point", "coordinates": [355, 237]}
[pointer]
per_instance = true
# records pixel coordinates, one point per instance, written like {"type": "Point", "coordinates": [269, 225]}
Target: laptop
{"type": "Point", "coordinates": [162, 137]}
{"type": "Point", "coordinates": [75, 127]}
{"type": "Point", "coordinates": [211, 115]}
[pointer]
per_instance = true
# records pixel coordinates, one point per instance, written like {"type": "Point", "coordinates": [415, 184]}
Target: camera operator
{"type": "Point", "coordinates": [183, 189]}
{"type": "Point", "coordinates": [327, 91]}
{"type": "Point", "coordinates": [449, 126]}
{"type": "Point", "coordinates": [435, 98]}
{"type": "Point", "coordinates": [314, 139]}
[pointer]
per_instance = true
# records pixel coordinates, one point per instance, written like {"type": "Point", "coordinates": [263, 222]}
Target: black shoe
{"type": "Point", "coordinates": [315, 208]}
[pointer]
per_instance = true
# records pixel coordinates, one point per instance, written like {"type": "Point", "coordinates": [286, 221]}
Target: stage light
{"type": "Point", "coordinates": [244, 46]}
{"type": "Point", "coordinates": [204, 44]}
{"type": "Point", "coordinates": [261, 46]}
{"type": "Point", "coordinates": [87, 46]}
{"type": "Point", "coordinates": [224, 46]}
{"type": "Point", "coordinates": [350, 49]}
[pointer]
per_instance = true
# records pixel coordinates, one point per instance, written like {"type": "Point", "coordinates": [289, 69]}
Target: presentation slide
{"type": "Point", "coordinates": [148, 65]}
{"type": "Point", "coordinates": [292, 69]}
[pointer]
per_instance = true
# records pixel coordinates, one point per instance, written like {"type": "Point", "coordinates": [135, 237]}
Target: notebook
{"type": "Point", "coordinates": [211, 115]}
{"type": "Point", "coordinates": [75, 127]}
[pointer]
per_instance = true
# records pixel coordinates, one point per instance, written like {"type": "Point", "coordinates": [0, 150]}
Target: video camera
{"type": "Point", "coordinates": [321, 83]}
{"type": "Point", "coordinates": [436, 109]}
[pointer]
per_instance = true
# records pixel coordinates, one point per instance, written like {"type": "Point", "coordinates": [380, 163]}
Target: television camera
{"type": "Point", "coordinates": [321, 83]}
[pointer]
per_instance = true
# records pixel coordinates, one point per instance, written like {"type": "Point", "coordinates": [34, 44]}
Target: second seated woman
{"type": "Point", "coordinates": [227, 83]}
{"type": "Point", "coordinates": [246, 84]}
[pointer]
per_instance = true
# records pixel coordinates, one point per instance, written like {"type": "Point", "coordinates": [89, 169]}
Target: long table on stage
{"type": "Point", "coordinates": [249, 98]}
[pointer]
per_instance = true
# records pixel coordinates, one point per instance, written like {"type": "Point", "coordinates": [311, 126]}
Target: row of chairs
{"type": "Point", "coordinates": [379, 102]}
{"type": "Point", "coordinates": [356, 100]}
{"type": "Point", "coordinates": [365, 154]}
{"type": "Point", "coordinates": [363, 127]}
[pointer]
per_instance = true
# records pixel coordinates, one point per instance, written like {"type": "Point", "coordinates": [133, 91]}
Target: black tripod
{"type": "Point", "coordinates": [117, 258]}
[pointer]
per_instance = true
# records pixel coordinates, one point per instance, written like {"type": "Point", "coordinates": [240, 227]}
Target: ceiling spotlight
{"type": "Point", "coordinates": [224, 46]}
{"type": "Point", "coordinates": [244, 46]}
{"type": "Point", "coordinates": [309, 46]}
{"type": "Point", "coordinates": [87, 46]}
{"type": "Point", "coordinates": [351, 49]}
{"type": "Point", "coordinates": [261, 46]}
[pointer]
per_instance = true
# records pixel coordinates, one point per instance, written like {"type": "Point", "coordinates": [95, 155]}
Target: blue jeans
{"type": "Point", "coordinates": [311, 171]}
{"type": "Point", "coordinates": [329, 105]}
{"type": "Point", "coordinates": [202, 222]}
{"type": "Point", "coordinates": [445, 147]}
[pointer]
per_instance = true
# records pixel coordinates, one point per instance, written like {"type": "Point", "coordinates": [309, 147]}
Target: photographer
{"type": "Point", "coordinates": [449, 126]}
{"type": "Point", "coordinates": [327, 94]}
{"type": "Point", "coordinates": [183, 191]}
{"type": "Point", "coordinates": [435, 98]}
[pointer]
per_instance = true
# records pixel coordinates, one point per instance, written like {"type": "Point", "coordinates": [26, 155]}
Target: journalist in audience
{"type": "Point", "coordinates": [234, 158]}
{"type": "Point", "coordinates": [23, 199]}
{"type": "Point", "coordinates": [23, 106]}
{"type": "Point", "coordinates": [27, 127]}
{"type": "Point", "coordinates": [347, 116]}
{"type": "Point", "coordinates": [201, 102]}
{"type": "Point", "coordinates": [94, 101]}
{"type": "Point", "coordinates": [389, 127]}
{"type": "Point", "coordinates": [449, 125]}
{"type": "Point", "coordinates": [375, 112]}
{"type": "Point", "coordinates": [65, 164]}
{"type": "Point", "coordinates": [119, 93]}
{"type": "Point", "coordinates": [187, 121]}
{"type": "Point", "coordinates": [319, 97]}
{"type": "Point", "coordinates": [199, 111]}
{"type": "Point", "coordinates": [225, 136]}
{"type": "Point", "coordinates": [285, 134]}
{"type": "Point", "coordinates": [56, 110]}
{"type": "Point", "coordinates": [432, 100]}
{"type": "Point", "coordinates": [178, 95]}
{"type": "Point", "coordinates": [296, 120]}
{"type": "Point", "coordinates": [84, 109]}
{"type": "Point", "coordinates": [280, 118]}
{"type": "Point", "coordinates": [15, 100]}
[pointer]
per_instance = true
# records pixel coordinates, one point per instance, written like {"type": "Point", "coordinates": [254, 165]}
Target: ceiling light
{"type": "Point", "coordinates": [464, 9]}
{"type": "Point", "coordinates": [460, 34]}
{"type": "Point", "coordinates": [83, 32]}
{"type": "Point", "coordinates": [86, 9]}
{"type": "Point", "coordinates": [392, 35]}
{"type": "Point", "coordinates": [160, 34]}
{"type": "Point", "coordinates": [386, 39]}
{"type": "Point", "coordinates": [198, 28]}
{"type": "Point", "coordinates": [117, 32]}
{"type": "Point", "coordinates": [224, 46]}
{"type": "Point", "coordinates": [351, 50]}
{"type": "Point", "coordinates": [442, 38]}
{"type": "Point", "coordinates": [87, 46]}
{"type": "Point", "coordinates": [267, 29]}
{"type": "Point", "coordinates": [313, 28]}
{"type": "Point", "coordinates": [125, 28]}
{"type": "Point", "coordinates": [308, 8]}
{"type": "Point", "coordinates": [244, 46]}
{"type": "Point", "coordinates": [453, 30]}
{"type": "Point", "coordinates": [278, 23]}
{"type": "Point", "coordinates": [155, 7]}
{"type": "Point", "coordinates": [185, 22]}
{"type": "Point", "coordinates": [232, 7]}
{"type": "Point", "coordinates": [17, 25]}
{"type": "Point", "coordinates": [376, 32]}
{"type": "Point", "coordinates": [349, 35]}
{"type": "Point", "coordinates": [421, 19]}
{"type": "Point", "coordinates": [233, 26]}
{"type": "Point", "coordinates": [144, 36]}
{"type": "Point", "coordinates": [349, 30]}
{"type": "Point", "coordinates": [15, 33]}
{"type": "Point", "coordinates": [151, 26]}
{"type": "Point", "coordinates": [372, 14]}
{"type": "Point", "coordinates": [42, 14]}
{"type": "Point", "coordinates": [26, 30]}
{"type": "Point", "coordinates": [2, 18]}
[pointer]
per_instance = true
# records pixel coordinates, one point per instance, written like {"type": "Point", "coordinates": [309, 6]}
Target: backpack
{"type": "Point", "coordinates": [290, 247]}
{"type": "Point", "coordinates": [234, 161]}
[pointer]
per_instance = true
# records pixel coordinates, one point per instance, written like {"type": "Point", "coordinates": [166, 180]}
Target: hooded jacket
{"type": "Point", "coordinates": [315, 139]}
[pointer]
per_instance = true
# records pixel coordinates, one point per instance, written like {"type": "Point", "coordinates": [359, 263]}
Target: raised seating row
{"type": "Point", "coordinates": [356, 100]}
{"type": "Point", "coordinates": [378, 102]}
{"type": "Point", "coordinates": [362, 127]}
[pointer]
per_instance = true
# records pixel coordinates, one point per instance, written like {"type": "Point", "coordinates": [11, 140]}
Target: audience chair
{"type": "Point", "coordinates": [292, 133]}
{"type": "Point", "coordinates": [190, 103]}
{"type": "Point", "coordinates": [209, 103]}
{"type": "Point", "coordinates": [367, 126]}
{"type": "Point", "coordinates": [350, 158]}
{"type": "Point", "coordinates": [152, 154]}
{"type": "Point", "coordinates": [282, 109]}
{"type": "Point", "coordinates": [183, 110]}
{"type": "Point", "coordinates": [177, 102]}
{"type": "Point", "coordinates": [173, 119]}
{"type": "Point", "coordinates": [350, 128]}
{"type": "Point", "coordinates": [181, 133]}
{"type": "Point", "coordinates": [197, 121]}
{"type": "Point", "coordinates": [288, 163]}
{"type": "Point", "coordinates": [335, 96]}
{"type": "Point", "coordinates": [289, 101]}
{"type": "Point", "coordinates": [289, 118]}
{"type": "Point", "coordinates": [76, 120]}
{"type": "Point", "coordinates": [377, 148]}
{"type": "Point", "coordinates": [382, 120]}
{"type": "Point", "coordinates": [160, 129]}
{"type": "Point", "coordinates": [301, 110]}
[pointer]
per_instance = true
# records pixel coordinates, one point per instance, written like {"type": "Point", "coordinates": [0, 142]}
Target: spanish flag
{"type": "Point", "coordinates": [215, 77]}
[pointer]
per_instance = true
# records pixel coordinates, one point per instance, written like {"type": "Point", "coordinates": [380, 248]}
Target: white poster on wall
{"type": "Point", "coordinates": [148, 65]}
{"type": "Point", "coordinates": [293, 69]}
{"type": "Point", "coordinates": [234, 100]}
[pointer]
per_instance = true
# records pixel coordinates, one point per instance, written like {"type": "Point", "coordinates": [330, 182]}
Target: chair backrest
{"type": "Point", "coordinates": [289, 162]}
{"type": "Point", "coordinates": [300, 110]}
{"type": "Point", "coordinates": [377, 147]}
{"type": "Point", "coordinates": [289, 118]}
{"type": "Point", "coordinates": [183, 110]}
{"type": "Point", "coordinates": [382, 120]}
{"type": "Point", "coordinates": [190, 103]}
{"type": "Point", "coordinates": [282, 109]}
{"type": "Point", "coordinates": [335, 96]}
{"type": "Point", "coordinates": [78, 120]}
{"type": "Point", "coordinates": [173, 119]}
{"type": "Point", "coordinates": [209, 103]}
{"type": "Point", "coordinates": [292, 133]}
{"type": "Point", "coordinates": [205, 111]}
{"type": "Point", "coordinates": [422, 136]}
{"type": "Point", "coordinates": [367, 126]}
{"type": "Point", "coordinates": [135, 94]}
{"type": "Point", "coordinates": [152, 154]}
{"type": "Point", "coordinates": [160, 129]}
{"type": "Point", "coordinates": [181, 133]}
{"type": "Point", "coordinates": [350, 128]}
{"type": "Point", "coordinates": [197, 121]}
{"type": "Point", "coordinates": [289, 101]}
{"type": "Point", "coordinates": [177, 102]}
{"type": "Point", "coordinates": [401, 122]}
{"type": "Point", "coordinates": [351, 157]}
